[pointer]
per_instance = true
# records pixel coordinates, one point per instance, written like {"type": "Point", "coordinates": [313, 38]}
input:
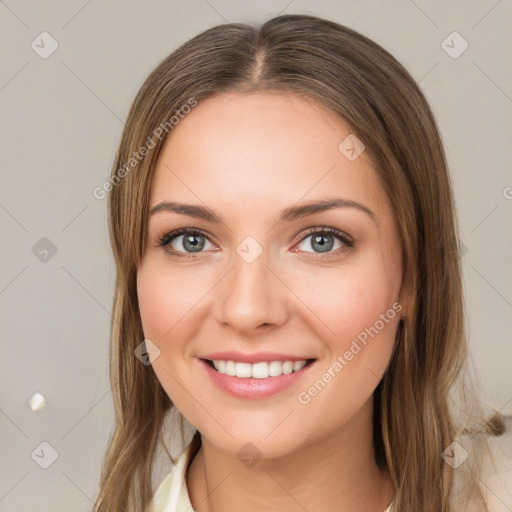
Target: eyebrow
{"type": "Point", "coordinates": [287, 215]}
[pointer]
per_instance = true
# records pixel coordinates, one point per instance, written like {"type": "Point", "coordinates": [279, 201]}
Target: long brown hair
{"type": "Point", "coordinates": [370, 90]}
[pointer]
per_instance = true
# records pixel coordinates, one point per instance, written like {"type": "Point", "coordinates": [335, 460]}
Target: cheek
{"type": "Point", "coordinates": [359, 307]}
{"type": "Point", "coordinates": [356, 305]}
{"type": "Point", "coordinates": [167, 299]}
{"type": "Point", "coordinates": [347, 300]}
{"type": "Point", "coordinates": [355, 318]}
{"type": "Point", "coordinates": [168, 311]}
{"type": "Point", "coordinates": [154, 300]}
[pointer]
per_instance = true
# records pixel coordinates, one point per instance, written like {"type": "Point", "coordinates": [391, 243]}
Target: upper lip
{"type": "Point", "coordinates": [256, 357]}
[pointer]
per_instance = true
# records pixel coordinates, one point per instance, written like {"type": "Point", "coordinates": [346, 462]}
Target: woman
{"type": "Point", "coordinates": [285, 238]}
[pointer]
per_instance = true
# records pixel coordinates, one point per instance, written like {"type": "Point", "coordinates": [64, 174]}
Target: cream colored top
{"type": "Point", "coordinates": [172, 494]}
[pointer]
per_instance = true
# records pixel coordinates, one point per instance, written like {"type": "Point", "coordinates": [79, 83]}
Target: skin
{"type": "Point", "coordinates": [248, 157]}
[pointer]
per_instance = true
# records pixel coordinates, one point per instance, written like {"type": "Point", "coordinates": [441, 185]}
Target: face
{"type": "Point", "coordinates": [258, 278]}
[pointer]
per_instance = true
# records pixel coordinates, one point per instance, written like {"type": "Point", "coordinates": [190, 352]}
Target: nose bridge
{"type": "Point", "coordinates": [250, 294]}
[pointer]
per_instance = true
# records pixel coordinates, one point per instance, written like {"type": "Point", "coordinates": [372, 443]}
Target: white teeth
{"type": "Point", "coordinates": [275, 368]}
{"type": "Point", "coordinates": [287, 367]}
{"type": "Point", "coordinates": [261, 370]}
{"type": "Point", "coordinates": [230, 368]}
{"type": "Point", "coordinates": [298, 365]}
{"type": "Point", "coordinates": [243, 370]}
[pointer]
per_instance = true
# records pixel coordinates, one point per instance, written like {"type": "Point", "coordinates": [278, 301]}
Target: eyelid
{"type": "Point", "coordinates": [329, 230]}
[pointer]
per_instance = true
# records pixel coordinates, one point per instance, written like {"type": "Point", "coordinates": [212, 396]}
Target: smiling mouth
{"type": "Point", "coordinates": [260, 370]}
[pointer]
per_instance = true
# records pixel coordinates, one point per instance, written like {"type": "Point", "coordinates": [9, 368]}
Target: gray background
{"type": "Point", "coordinates": [62, 118]}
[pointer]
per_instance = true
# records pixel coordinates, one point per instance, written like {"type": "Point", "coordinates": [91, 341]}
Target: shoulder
{"type": "Point", "coordinates": [172, 494]}
{"type": "Point", "coordinates": [159, 499]}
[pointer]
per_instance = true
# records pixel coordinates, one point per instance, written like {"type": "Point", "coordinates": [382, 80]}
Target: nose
{"type": "Point", "coordinates": [251, 298]}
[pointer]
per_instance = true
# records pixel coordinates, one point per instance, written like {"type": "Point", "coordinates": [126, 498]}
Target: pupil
{"type": "Point", "coordinates": [189, 243]}
{"type": "Point", "coordinates": [323, 246]}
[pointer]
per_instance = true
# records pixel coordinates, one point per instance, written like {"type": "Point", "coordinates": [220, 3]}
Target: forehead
{"type": "Point", "coordinates": [261, 149]}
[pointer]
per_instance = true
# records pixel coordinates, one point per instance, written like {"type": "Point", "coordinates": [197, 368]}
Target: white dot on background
{"type": "Point", "coordinates": [37, 402]}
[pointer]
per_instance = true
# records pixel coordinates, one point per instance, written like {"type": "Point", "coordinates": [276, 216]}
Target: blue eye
{"type": "Point", "coordinates": [192, 241]}
{"type": "Point", "coordinates": [186, 242]}
{"type": "Point", "coordinates": [322, 240]}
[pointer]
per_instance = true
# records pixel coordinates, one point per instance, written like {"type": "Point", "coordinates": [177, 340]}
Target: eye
{"type": "Point", "coordinates": [184, 242]}
{"type": "Point", "coordinates": [322, 240]}
{"type": "Point", "coordinates": [187, 242]}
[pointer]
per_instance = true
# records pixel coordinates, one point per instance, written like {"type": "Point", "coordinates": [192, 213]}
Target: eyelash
{"type": "Point", "coordinates": [168, 237]}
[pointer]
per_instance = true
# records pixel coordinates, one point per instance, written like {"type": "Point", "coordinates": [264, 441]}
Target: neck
{"type": "Point", "coordinates": [336, 472]}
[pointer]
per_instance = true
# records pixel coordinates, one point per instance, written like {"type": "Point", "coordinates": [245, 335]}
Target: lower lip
{"type": "Point", "coordinates": [254, 388]}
